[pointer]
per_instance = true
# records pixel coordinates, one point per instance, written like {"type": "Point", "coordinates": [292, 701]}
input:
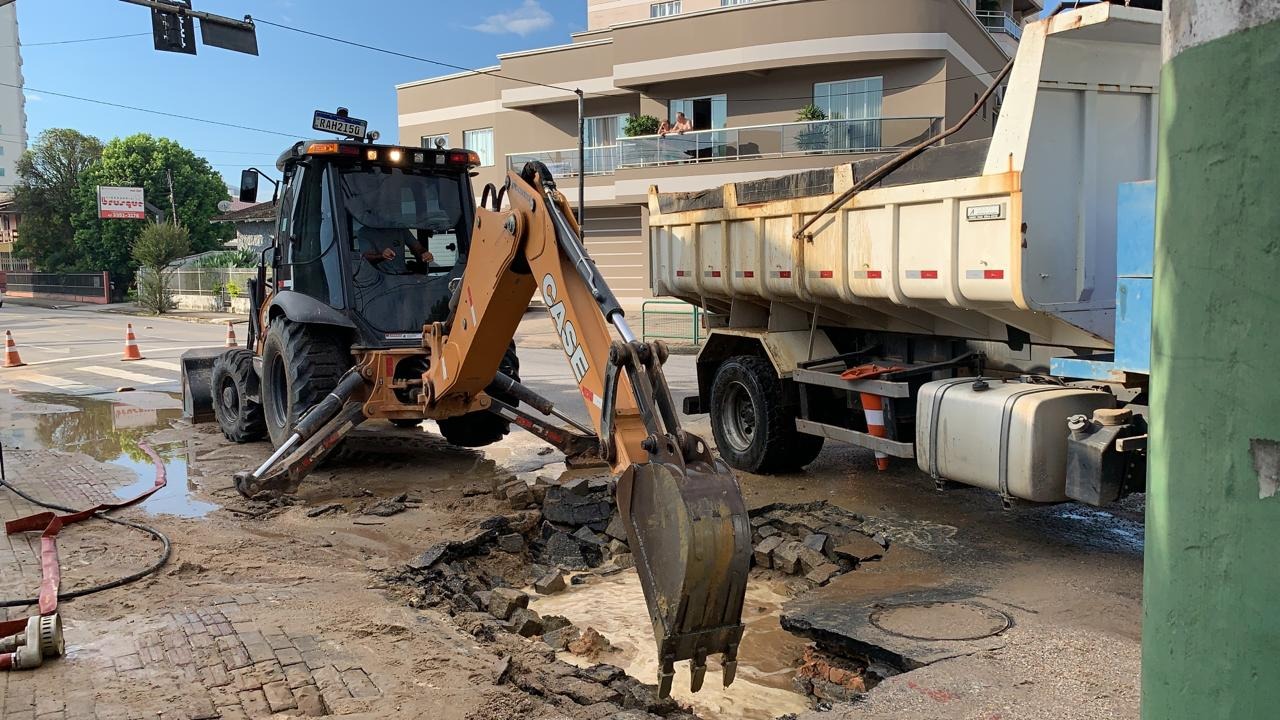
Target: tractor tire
{"type": "Point", "coordinates": [301, 364]}
{"type": "Point", "coordinates": [237, 400]}
{"type": "Point", "coordinates": [754, 426]}
{"type": "Point", "coordinates": [478, 429]}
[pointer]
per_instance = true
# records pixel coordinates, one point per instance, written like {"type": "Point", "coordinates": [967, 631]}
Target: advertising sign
{"type": "Point", "coordinates": [121, 202]}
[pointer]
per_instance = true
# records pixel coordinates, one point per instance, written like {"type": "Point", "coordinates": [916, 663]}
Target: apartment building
{"type": "Point", "coordinates": [879, 75]}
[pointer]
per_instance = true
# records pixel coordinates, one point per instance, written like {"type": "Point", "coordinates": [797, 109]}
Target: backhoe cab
{"type": "Point", "coordinates": [387, 293]}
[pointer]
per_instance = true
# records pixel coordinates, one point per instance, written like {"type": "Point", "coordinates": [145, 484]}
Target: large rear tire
{"type": "Point", "coordinates": [237, 399]}
{"type": "Point", "coordinates": [478, 429]}
{"type": "Point", "coordinates": [300, 365]}
{"type": "Point", "coordinates": [752, 421]}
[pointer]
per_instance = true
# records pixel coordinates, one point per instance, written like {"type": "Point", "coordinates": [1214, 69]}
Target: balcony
{"type": "Point", "coordinates": [602, 160]}
{"type": "Point", "coordinates": [999, 22]}
{"type": "Point", "coordinates": [821, 137]}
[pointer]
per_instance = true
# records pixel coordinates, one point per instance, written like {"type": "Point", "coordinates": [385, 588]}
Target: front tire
{"type": "Point", "coordinates": [753, 424]}
{"type": "Point", "coordinates": [237, 399]}
{"type": "Point", "coordinates": [300, 365]}
{"type": "Point", "coordinates": [478, 429]}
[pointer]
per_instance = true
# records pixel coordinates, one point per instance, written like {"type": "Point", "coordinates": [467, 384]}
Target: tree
{"type": "Point", "coordinates": [141, 161]}
{"type": "Point", "coordinates": [158, 245]}
{"type": "Point", "coordinates": [48, 178]}
{"type": "Point", "coordinates": [636, 125]}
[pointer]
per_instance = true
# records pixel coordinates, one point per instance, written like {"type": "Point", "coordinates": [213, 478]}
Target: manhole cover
{"type": "Point", "coordinates": [940, 621]}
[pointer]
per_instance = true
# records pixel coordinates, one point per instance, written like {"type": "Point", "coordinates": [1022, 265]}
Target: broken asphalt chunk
{"type": "Point", "coordinates": [504, 601]}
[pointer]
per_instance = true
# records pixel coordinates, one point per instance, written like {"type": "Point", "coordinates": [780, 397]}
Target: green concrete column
{"type": "Point", "coordinates": [1211, 624]}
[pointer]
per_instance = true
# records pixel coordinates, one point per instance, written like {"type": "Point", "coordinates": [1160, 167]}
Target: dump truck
{"type": "Point", "coordinates": [981, 308]}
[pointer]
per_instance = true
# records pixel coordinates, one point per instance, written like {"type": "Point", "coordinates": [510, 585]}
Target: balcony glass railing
{"type": "Point", "coordinates": [821, 137]}
{"type": "Point", "coordinates": [600, 160]}
{"type": "Point", "coordinates": [995, 21]}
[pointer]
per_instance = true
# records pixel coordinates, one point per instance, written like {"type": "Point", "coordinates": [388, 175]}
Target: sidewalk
{"type": "Point", "coordinates": [127, 308]}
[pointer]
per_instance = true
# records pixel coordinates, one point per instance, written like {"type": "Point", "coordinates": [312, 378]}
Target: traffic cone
{"type": "Point", "coordinates": [231, 336]}
{"type": "Point", "coordinates": [873, 407]}
{"type": "Point", "coordinates": [131, 351]}
{"type": "Point", "coordinates": [11, 358]}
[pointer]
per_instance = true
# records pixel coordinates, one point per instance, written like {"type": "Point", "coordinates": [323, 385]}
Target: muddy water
{"type": "Point", "coordinates": [767, 660]}
{"type": "Point", "coordinates": [108, 428]}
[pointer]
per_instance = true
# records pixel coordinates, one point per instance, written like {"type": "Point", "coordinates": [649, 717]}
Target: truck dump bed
{"type": "Point", "coordinates": [967, 240]}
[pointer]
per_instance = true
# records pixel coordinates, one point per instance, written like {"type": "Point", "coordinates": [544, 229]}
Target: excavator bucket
{"type": "Point", "coordinates": [689, 530]}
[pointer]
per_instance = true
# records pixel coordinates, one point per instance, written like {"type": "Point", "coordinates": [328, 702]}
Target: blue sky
{"type": "Point", "coordinates": [293, 75]}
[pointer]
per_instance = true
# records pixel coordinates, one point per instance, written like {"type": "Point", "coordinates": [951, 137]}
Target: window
{"type": "Point", "coordinates": [430, 141]}
{"type": "Point", "coordinates": [664, 9]}
{"type": "Point", "coordinates": [1, 150]}
{"type": "Point", "coordinates": [602, 130]}
{"type": "Point", "coordinates": [731, 3]}
{"type": "Point", "coordinates": [482, 142]}
{"type": "Point", "coordinates": [1, 172]}
{"type": "Point", "coordinates": [857, 101]}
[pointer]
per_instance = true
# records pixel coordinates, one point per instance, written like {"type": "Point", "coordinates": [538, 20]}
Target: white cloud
{"type": "Point", "coordinates": [528, 18]}
{"type": "Point", "coordinates": [32, 97]}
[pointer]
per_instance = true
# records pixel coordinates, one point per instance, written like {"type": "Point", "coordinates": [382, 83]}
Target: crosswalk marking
{"type": "Point", "coordinates": [55, 382]}
{"type": "Point", "coordinates": [160, 364]}
{"type": "Point", "coordinates": [139, 378]}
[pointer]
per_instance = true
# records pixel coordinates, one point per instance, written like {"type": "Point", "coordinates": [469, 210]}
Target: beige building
{"type": "Point", "coordinates": [883, 75]}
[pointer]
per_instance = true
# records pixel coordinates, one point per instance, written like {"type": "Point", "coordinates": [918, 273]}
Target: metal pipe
{"type": "Point", "coordinates": [288, 445]}
{"type": "Point", "coordinates": [624, 329]}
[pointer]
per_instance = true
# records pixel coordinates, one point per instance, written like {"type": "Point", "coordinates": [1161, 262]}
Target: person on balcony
{"type": "Point", "coordinates": [683, 124]}
{"type": "Point", "coordinates": [664, 127]}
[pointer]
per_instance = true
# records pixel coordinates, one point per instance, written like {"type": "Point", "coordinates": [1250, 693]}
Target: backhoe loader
{"type": "Point", "coordinates": [387, 293]}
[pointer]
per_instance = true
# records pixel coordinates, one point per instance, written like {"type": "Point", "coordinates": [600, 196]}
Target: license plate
{"type": "Point", "coordinates": [328, 122]}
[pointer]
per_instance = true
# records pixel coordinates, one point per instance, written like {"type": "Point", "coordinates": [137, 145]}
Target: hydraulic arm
{"type": "Point", "coordinates": [682, 508]}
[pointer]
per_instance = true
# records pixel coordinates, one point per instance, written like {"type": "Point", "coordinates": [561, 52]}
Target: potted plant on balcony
{"type": "Point", "coordinates": [811, 138]}
{"type": "Point", "coordinates": [636, 125]}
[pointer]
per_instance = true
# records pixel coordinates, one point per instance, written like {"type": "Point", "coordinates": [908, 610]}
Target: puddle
{"type": "Point", "coordinates": [108, 429]}
{"type": "Point", "coordinates": [767, 659]}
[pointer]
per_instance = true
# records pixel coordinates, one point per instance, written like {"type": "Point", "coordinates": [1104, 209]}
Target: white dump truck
{"type": "Point", "coordinates": [972, 310]}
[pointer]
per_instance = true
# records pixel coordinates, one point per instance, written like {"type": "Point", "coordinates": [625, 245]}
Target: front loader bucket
{"type": "Point", "coordinates": [691, 537]}
{"type": "Point", "coordinates": [197, 384]}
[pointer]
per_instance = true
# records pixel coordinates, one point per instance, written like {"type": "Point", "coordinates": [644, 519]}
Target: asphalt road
{"type": "Point", "coordinates": [78, 352]}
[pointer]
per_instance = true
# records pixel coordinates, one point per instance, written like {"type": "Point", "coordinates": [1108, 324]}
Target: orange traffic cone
{"type": "Point", "coordinates": [231, 336]}
{"type": "Point", "coordinates": [873, 406]}
{"type": "Point", "coordinates": [131, 351]}
{"type": "Point", "coordinates": [11, 358]}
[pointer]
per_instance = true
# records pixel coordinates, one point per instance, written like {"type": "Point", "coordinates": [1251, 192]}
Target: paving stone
{"type": "Point", "coordinates": [560, 638]}
{"type": "Point", "coordinates": [810, 559]}
{"type": "Point", "coordinates": [584, 692]}
{"type": "Point", "coordinates": [551, 623]}
{"type": "Point", "coordinates": [511, 542]}
{"type": "Point", "coordinates": [859, 548]}
{"type": "Point", "coordinates": [279, 697]}
{"type": "Point", "coordinates": [767, 531]}
{"type": "Point", "coordinates": [565, 507]}
{"type": "Point", "coordinates": [601, 673]}
{"type": "Point", "coordinates": [310, 701]}
{"type": "Point", "coordinates": [288, 656]}
{"type": "Point", "coordinates": [764, 551]}
{"type": "Point", "coordinates": [823, 573]}
{"type": "Point", "coordinates": [615, 529]}
{"type": "Point", "coordinates": [481, 599]}
{"type": "Point", "coordinates": [587, 535]}
{"type": "Point", "coordinates": [231, 712]}
{"type": "Point", "coordinates": [504, 601]}
{"type": "Point", "coordinates": [624, 560]}
{"type": "Point", "coordinates": [255, 703]}
{"type": "Point", "coordinates": [577, 486]}
{"type": "Point", "coordinates": [359, 684]}
{"type": "Point", "coordinates": [786, 557]}
{"type": "Point", "coordinates": [552, 582]}
{"type": "Point", "coordinates": [297, 675]}
{"type": "Point", "coordinates": [617, 547]}
{"type": "Point", "coordinates": [520, 495]}
{"type": "Point", "coordinates": [525, 622]}
{"type": "Point", "coordinates": [818, 542]}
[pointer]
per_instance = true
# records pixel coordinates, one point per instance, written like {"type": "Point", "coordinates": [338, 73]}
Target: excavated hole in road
{"type": "Point", "coordinates": [509, 577]}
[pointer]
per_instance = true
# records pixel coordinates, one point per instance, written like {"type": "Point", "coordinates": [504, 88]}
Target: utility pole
{"type": "Point", "coordinates": [173, 204]}
{"type": "Point", "coordinates": [1211, 633]}
{"type": "Point", "coordinates": [582, 162]}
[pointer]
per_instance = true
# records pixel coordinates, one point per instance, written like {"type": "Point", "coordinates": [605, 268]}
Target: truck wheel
{"type": "Point", "coordinates": [237, 402]}
{"type": "Point", "coordinates": [753, 425]}
{"type": "Point", "coordinates": [300, 365]}
{"type": "Point", "coordinates": [478, 429]}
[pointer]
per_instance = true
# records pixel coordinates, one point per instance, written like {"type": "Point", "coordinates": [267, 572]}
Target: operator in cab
{"type": "Point", "coordinates": [385, 209]}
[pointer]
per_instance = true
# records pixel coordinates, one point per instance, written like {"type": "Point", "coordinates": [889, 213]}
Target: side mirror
{"type": "Point", "coordinates": [249, 186]}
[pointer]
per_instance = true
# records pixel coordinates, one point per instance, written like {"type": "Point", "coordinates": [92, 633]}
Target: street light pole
{"type": "Point", "coordinates": [582, 162]}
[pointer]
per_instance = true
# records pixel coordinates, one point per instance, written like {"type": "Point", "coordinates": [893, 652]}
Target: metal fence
{"type": "Point", "coordinates": [995, 21]}
{"type": "Point", "coordinates": [78, 285]}
{"type": "Point", "coordinates": [564, 163]}
{"type": "Point", "coordinates": [227, 282]}
{"type": "Point", "coordinates": [820, 137]}
{"type": "Point", "coordinates": [671, 320]}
